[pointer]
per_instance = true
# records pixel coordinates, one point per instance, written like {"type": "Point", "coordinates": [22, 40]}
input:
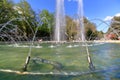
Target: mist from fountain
{"type": "Point", "coordinates": [17, 37]}
{"type": "Point", "coordinates": [82, 30]}
{"type": "Point", "coordinates": [59, 33]}
{"type": "Point", "coordinates": [31, 44]}
{"type": "Point", "coordinates": [81, 20]}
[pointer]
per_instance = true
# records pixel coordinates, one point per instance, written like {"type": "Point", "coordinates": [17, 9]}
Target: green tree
{"type": "Point", "coordinates": [22, 18]}
{"type": "Point", "coordinates": [91, 31]}
{"type": "Point", "coordinates": [100, 35]}
{"type": "Point", "coordinates": [47, 24]}
{"type": "Point", "coordinates": [28, 23]}
{"type": "Point", "coordinates": [6, 11]}
{"type": "Point", "coordinates": [71, 28]}
{"type": "Point", "coordinates": [115, 27]}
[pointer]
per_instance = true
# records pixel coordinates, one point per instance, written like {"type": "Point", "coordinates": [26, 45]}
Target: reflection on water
{"type": "Point", "coordinates": [106, 56]}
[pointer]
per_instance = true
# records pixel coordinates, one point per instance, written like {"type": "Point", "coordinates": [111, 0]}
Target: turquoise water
{"type": "Point", "coordinates": [72, 56]}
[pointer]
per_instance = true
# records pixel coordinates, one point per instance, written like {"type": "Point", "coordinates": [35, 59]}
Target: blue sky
{"type": "Point", "coordinates": [92, 8]}
{"type": "Point", "coordinates": [102, 9]}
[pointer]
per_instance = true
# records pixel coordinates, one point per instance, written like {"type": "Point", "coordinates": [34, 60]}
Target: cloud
{"type": "Point", "coordinates": [72, 0]}
{"type": "Point", "coordinates": [118, 15]}
{"type": "Point", "coordinates": [108, 18]}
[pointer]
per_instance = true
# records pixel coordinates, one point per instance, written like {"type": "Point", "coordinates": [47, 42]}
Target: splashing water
{"type": "Point", "coordinates": [81, 19]}
{"type": "Point", "coordinates": [59, 33]}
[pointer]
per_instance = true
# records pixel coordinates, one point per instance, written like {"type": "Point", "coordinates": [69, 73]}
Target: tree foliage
{"type": "Point", "coordinates": [27, 21]}
{"type": "Point", "coordinates": [47, 24]}
{"type": "Point", "coordinates": [71, 28]}
{"type": "Point", "coordinates": [91, 32]}
{"type": "Point", "coordinates": [6, 11]}
{"type": "Point", "coordinates": [21, 17]}
{"type": "Point", "coordinates": [114, 28]}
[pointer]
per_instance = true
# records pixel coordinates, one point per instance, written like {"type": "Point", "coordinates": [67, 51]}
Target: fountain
{"type": "Point", "coordinates": [63, 60]}
{"type": "Point", "coordinates": [81, 20]}
{"type": "Point", "coordinates": [59, 33]}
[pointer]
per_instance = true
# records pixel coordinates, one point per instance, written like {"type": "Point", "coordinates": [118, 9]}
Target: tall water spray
{"type": "Point", "coordinates": [59, 33]}
{"type": "Point", "coordinates": [81, 20]}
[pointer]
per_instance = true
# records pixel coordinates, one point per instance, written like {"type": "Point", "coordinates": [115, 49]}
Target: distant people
{"type": "Point", "coordinates": [119, 38]}
{"type": "Point", "coordinates": [40, 40]}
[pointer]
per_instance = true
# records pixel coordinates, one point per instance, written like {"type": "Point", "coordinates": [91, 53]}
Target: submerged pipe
{"type": "Point", "coordinates": [30, 49]}
{"type": "Point", "coordinates": [91, 66]}
{"type": "Point", "coordinates": [26, 63]}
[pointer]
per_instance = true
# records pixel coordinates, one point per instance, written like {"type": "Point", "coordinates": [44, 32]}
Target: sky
{"type": "Point", "coordinates": [101, 9]}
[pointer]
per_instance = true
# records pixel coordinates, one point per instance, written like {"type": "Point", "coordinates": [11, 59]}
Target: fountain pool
{"type": "Point", "coordinates": [61, 61]}
{"type": "Point", "coordinates": [71, 56]}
